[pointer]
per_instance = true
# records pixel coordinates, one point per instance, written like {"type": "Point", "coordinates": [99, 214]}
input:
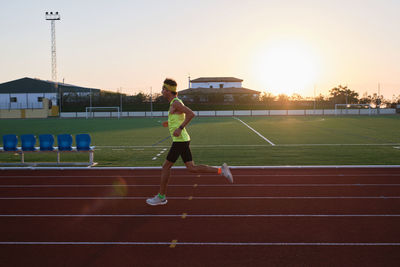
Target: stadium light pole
{"type": "Point", "coordinates": [90, 99]}
{"type": "Point", "coordinates": [120, 98]}
{"type": "Point", "coordinates": [151, 101]}
{"type": "Point", "coordinates": [314, 98]}
{"type": "Point", "coordinates": [53, 17]}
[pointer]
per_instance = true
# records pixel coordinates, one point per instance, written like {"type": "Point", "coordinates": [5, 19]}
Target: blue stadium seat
{"type": "Point", "coordinates": [10, 142]}
{"type": "Point", "coordinates": [28, 142]}
{"type": "Point", "coordinates": [64, 142]}
{"type": "Point", "coordinates": [46, 142]}
{"type": "Point", "coordinates": [82, 142]}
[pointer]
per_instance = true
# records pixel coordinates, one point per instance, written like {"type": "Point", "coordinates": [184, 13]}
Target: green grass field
{"type": "Point", "coordinates": [298, 140]}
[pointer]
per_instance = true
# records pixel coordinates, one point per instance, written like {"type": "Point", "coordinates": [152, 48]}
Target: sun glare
{"type": "Point", "coordinates": [286, 68]}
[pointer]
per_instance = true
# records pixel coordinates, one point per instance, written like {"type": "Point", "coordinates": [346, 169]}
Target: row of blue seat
{"type": "Point", "coordinates": [46, 141]}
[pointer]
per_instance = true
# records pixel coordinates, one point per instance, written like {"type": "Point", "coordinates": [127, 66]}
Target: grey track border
{"type": "Point", "coordinates": [232, 167]}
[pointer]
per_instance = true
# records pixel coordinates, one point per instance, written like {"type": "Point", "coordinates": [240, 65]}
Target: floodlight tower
{"type": "Point", "coordinates": [53, 17]}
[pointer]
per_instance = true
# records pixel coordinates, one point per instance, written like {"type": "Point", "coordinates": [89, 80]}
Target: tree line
{"type": "Point", "coordinates": [142, 101]}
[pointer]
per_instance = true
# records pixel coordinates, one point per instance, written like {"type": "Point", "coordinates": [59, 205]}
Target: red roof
{"type": "Point", "coordinates": [215, 79]}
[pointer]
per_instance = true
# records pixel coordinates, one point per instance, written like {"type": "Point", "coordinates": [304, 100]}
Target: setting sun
{"type": "Point", "coordinates": [286, 68]}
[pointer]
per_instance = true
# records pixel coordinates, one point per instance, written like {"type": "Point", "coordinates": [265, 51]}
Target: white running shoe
{"type": "Point", "coordinates": [226, 172]}
{"type": "Point", "coordinates": [156, 200]}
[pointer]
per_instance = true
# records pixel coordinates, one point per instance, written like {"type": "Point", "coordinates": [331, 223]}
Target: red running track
{"type": "Point", "coordinates": [269, 217]}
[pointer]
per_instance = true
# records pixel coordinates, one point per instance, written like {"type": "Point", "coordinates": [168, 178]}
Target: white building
{"type": "Point", "coordinates": [216, 82]}
{"type": "Point", "coordinates": [217, 89]}
{"type": "Point", "coordinates": [28, 93]}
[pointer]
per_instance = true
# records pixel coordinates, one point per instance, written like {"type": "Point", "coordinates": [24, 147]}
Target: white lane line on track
{"type": "Point", "coordinates": [195, 175]}
{"type": "Point", "coordinates": [198, 185]}
{"type": "Point", "coordinates": [273, 167]}
{"type": "Point", "coordinates": [199, 215]}
{"type": "Point", "coordinates": [201, 243]}
{"type": "Point", "coordinates": [260, 135]}
{"type": "Point", "coordinates": [196, 198]}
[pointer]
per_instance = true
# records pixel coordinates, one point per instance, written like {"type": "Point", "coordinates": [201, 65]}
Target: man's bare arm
{"type": "Point", "coordinates": [189, 115]}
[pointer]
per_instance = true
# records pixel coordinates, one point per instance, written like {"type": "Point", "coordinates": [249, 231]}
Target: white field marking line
{"type": "Point", "coordinates": [259, 145]}
{"type": "Point", "coordinates": [199, 185]}
{"type": "Point", "coordinates": [130, 147]}
{"type": "Point", "coordinates": [197, 215]}
{"type": "Point", "coordinates": [201, 243]}
{"type": "Point", "coordinates": [255, 131]}
{"type": "Point", "coordinates": [336, 145]}
{"type": "Point", "coordinates": [159, 154]}
{"type": "Point", "coordinates": [198, 198]}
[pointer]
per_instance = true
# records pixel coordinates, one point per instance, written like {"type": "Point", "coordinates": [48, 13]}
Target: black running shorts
{"type": "Point", "coordinates": [180, 149]}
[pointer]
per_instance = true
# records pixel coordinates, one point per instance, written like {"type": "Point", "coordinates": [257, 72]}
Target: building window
{"type": "Point", "coordinates": [228, 98]}
{"type": "Point", "coordinates": [13, 99]}
{"type": "Point", "coordinates": [40, 99]}
{"type": "Point", "coordinates": [221, 85]}
{"type": "Point", "coordinates": [203, 98]}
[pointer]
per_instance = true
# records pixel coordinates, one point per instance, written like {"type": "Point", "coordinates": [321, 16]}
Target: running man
{"type": "Point", "coordinates": [179, 117]}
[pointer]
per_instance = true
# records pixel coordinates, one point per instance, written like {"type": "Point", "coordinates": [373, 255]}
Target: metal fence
{"type": "Point", "coordinates": [233, 113]}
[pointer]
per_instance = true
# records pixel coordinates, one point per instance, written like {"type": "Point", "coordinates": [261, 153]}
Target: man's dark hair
{"type": "Point", "coordinates": [170, 81]}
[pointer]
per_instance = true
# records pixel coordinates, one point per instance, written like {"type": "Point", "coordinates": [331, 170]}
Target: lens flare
{"type": "Point", "coordinates": [120, 187]}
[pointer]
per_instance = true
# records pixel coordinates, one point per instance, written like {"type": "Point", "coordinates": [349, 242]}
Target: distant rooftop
{"type": "Point", "coordinates": [29, 85]}
{"type": "Point", "coordinates": [215, 79]}
{"type": "Point", "coordinates": [230, 90]}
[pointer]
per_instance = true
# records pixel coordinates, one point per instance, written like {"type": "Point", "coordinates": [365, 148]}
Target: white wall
{"type": "Point", "coordinates": [216, 85]}
{"type": "Point", "coordinates": [26, 100]}
{"type": "Point", "coordinates": [223, 113]}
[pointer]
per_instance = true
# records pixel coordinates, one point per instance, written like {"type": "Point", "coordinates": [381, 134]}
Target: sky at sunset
{"type": "Point", "coordinates": [278, 46]}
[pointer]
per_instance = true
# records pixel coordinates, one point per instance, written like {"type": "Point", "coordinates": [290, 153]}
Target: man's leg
{"type": "Point", "coordinates": [165, 173]}
{"type": "Point", "coordinates": [187, 158]}
{"type": "Point", "coordinates": [160, 198]}
{"type": "Point", "coordinates": [200, 168]}
{"type": "Point", "coordinates": [224, 170]}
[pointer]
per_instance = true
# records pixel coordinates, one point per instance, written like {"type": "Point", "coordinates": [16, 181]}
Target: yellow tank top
{"type": "Point", "coordinates": [174, 121]}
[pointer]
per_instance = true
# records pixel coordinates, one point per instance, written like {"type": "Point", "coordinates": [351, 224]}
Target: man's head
{"type": "Point", "coordinates": [170, 85]}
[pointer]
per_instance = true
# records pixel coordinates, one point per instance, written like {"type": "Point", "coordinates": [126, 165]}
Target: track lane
{"type": "Point", "coordinates": [202, 229]}
{"type": "Point", "coordinates": [202, 206]}
{"type": "Point", "coordinates": [213, 256]}
{"type": "Point", "coordinates": [190, 179]}
{"type": "Point", "coordinates": [203, 191]}
{"type": "Point", "coordinates": [270, 171]}
{"type": "Point", "coordinates": [207, 229]}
